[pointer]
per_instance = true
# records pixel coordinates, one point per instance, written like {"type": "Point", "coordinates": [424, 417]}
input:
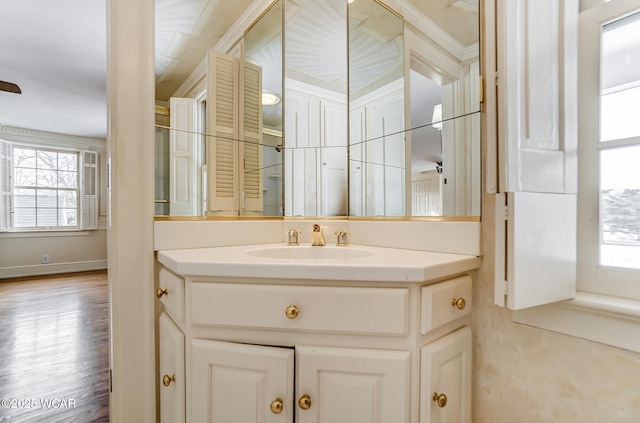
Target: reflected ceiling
{"type": "Point", "coordinates": [186, 29]}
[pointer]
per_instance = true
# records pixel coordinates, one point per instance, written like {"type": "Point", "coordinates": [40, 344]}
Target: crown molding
{"type": "Point", "coordinates": [11, 133]}
{"type": "Point", "coordinates": [231, 38]}
{"type": "Point", "coordinates": [425, 27]}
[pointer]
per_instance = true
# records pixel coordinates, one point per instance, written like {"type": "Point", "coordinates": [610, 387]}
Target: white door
{"type": "Point", "coordinates": [344, 385]}
{"type": "Point", "coordinates": [183, 155]}
{"type": "Point", "coordinates": [445, 379]}
{"type": "Point", "coordinates": [333, 159]}
{"type": "Point", "coordinates": [240, 383]}
{"type": "Point", "coordinates": [172, 380]}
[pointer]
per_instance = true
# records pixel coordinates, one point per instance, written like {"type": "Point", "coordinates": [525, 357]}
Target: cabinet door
{"type": "Point", "coordinates": [172, 380]}
{"type": "Point", "coordinates": [239, 383]}
{"type": "Point", "coordinates": [351, 385]}
{"type": "Point", "coordinates": [446, 371]}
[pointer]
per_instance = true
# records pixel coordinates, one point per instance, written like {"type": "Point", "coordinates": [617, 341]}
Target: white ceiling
{"type": "Point", "coordinates": [56, 52]}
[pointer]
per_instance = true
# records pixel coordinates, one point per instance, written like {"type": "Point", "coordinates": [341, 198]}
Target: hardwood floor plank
{"type": "Point", "coordinates": [54, 348]}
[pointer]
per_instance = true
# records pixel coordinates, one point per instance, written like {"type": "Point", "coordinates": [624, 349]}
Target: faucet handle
{"type": "Point", "coordinates": [293, 237]}
{"type": "Point", "coordinates": [342, 237]}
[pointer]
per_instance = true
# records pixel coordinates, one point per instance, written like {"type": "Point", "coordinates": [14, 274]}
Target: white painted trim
{"type": "Point", "coordinates": [236, 32]}
{"type": "Point", "coordinates": [130, 150]}
{"type": "Point", "coordinates": [43, 234]}
{"type": "Point", "coordinates": [33, 136]}
{"type": "Point", "coordinates": [323, 93]}
{"type": "Point", "coordinates": [392, 88]}
{"type": "Point", "coordinates": [607, 320]}
{"type": "Point", "coordinates": [52, 268]}
{"type": "Point", "coordinates": [422, 24]}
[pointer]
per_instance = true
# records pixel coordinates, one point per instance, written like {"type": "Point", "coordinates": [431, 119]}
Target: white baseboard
{"type": "Point", "coordinates": [51, 268]}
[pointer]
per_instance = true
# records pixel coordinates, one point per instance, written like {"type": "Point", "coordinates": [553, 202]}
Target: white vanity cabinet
{"type": "Point", "coordinates": [240, 383]}
{"type": "Point", "coordinates": [172, 371]}
{"type": "Point", "coordinates": [266, 350]}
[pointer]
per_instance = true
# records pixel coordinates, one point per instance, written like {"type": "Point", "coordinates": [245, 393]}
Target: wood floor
{"type": "Point", "coordinates": [54, 349]}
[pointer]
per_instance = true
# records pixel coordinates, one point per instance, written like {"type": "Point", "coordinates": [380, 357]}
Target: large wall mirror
{"type": "Point", "coordinates": [344, 108]}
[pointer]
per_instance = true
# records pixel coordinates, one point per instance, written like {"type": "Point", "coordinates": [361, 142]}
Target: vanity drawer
{"type": "Point", "coordinates": [304, 308]}
{"type": "Point", "coordinates": [171, 293]}
{"type": "Point", "coordinates": [444, 302]}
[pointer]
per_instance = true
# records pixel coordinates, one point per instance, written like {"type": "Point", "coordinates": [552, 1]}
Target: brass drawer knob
{"type": "Point", "coordinates": [160, 292]}
{"type": "Point", "coordinates": [291, 312]}
{"type": "Point", "coordinates": [166, 379]}
{"type": "Point", "coordinates": [276, 406]}
{"type": "Point", "coordinates": [440, 399]}
{"type": "Point", "coordinates": [305, 402]}
{"type": "Point", "coordinates": [458, 303]}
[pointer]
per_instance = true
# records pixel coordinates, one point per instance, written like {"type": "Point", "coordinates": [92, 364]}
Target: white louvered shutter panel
{"type": "Point", "coordinates": [223, 133]}
{"type": "Point", "coordinates": [252, 136]}
{"type": "Point", "coordinates": [6, 199]}
{"type": "Point", "coordinates": [89, 192]}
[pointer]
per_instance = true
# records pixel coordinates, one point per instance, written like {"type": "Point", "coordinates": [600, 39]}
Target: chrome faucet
{"type": "Point", "coordinates": [342, 237]}
{"type": "Point", "coordinates": [293, 237]}
{"type": "Point", "coordinates": [317, 237]}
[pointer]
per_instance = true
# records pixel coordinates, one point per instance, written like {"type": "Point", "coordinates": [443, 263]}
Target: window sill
{"type": "Point", "coordinates": [43, 234]}
{"type": "Point", "coordinates": [600, 318]}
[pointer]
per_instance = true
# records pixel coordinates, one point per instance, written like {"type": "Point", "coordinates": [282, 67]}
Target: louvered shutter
{"type": "Point", "coordinates": [6, 199]}
{"type": "Point", "coordinates": [223, 133]}
{"type": "Point", "coordinates": [89, 189]}
{"type": "Point", "coordinates": [252, 136]}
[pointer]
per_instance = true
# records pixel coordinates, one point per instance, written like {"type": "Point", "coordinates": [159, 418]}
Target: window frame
{"type": "Point", "coordinates": [87, 187]}
{"type": "Point", "coordinates": [77, 189]}
{"type": "Point", "coordinates": [607, 315]}
{"type": "Point", "coordinates": [591, 276]}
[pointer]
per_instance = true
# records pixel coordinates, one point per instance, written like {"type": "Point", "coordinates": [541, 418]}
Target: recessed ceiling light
{"type": "Point", "coordinates": [270, 99]}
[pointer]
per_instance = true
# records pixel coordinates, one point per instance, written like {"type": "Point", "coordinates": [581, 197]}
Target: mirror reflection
{"type": "Point", "coordinates": [332, 142]}
{"type": "Point", "coordinates": [377, 157]}
{"type": "Point", "coordinates": [263, 64]}
{"type": "Point", "coordinates": [315, 80]}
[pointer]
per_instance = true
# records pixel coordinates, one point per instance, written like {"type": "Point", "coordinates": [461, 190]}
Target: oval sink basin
{"type": "Point", "coordinates": [305, 252]}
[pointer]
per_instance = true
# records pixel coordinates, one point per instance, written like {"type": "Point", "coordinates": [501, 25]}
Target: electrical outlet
{"type": "Point", "coordinates": [45, 259]}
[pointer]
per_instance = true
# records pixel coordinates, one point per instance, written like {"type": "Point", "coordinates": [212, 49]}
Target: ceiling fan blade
{"type": "Point", "coordinates": [10, 87]}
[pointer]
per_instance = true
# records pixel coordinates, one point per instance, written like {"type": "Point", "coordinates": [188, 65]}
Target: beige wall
{"type": "Point", "coordinates": [21, 256]}
{"type": "Point", "coordinates": [528, 375]}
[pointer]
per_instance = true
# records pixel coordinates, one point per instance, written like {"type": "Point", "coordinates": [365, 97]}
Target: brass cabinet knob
{"type": "Point", "coordinates": [291, 312]}
{"type": "Point", "coordinates": [166, 379]}
{"type": "Point", "coordinates": [305, 402]}
{"type": "Point", "coordinates": [276, 406]}
{"type": "Point", "coordinates": [160, 292]}
{"type": "Point", "coordinates": [458, 303]}
{"type": "Point", "coordinates": [440, 399]}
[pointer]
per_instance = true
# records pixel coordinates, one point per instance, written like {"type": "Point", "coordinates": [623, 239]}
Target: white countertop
{"type": "Point", "coordinates": [354, 262]}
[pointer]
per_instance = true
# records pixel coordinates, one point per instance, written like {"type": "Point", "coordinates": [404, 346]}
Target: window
{"type": "Point", "coordinates": [47, 189]}
{"type": "Point", "coordinates": [606, 307]}
{"type": "Point", "coordinates": [609, 152]}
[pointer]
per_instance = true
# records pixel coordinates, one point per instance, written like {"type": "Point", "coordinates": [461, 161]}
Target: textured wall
{"type": "Point", "coordinates": [528, 375]}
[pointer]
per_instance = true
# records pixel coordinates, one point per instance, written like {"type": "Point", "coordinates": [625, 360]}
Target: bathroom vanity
{"type": "Point", "coordinates": [277, 333]}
